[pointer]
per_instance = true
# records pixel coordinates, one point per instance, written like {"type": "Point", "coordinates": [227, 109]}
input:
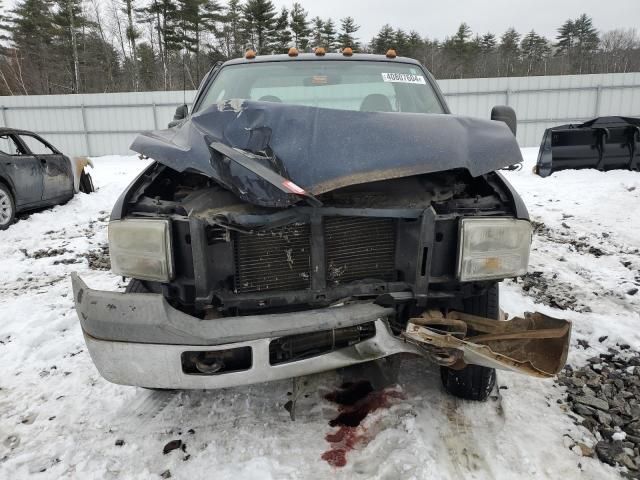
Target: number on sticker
{"type": "Point", "coordinates": [403, 78]}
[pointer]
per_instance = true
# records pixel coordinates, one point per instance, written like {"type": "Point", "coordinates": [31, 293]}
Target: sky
{"type": "Point", "coordinates": [442, 18]}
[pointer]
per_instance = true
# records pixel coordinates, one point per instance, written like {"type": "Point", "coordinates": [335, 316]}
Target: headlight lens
{"type": "Point", "coordinates": [492, 248]}
{"type": "Point", "coordinates": [141, 248]}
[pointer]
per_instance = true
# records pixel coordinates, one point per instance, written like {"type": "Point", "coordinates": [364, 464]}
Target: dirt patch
{"type": "Point", "coordinates": [98, 258]}
{"type": "Point", "coordinates": [581, 244]}
{"type": "Point", "coordinates": [548, 290]}
{"type": "Point", "coordinates": [45, 252]}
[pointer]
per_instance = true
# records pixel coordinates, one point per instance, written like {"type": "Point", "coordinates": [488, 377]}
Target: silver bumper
{"type": "Point", "coordinates": [138, 339]}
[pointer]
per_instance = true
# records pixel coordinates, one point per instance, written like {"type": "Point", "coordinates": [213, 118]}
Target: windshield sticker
{"type": "Point", "coordinates": [403, 78]}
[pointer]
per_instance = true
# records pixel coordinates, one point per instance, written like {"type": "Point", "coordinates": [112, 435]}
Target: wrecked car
{"type": "Point", "coordinates": [35, 174]}
{"type": "Point", "coordinates": [312, 212]}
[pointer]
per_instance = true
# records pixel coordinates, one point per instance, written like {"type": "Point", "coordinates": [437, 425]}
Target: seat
{"type": "Point", "coordinates": [270, 98]}
{"type": "Point", "coordinates": [376, 102]}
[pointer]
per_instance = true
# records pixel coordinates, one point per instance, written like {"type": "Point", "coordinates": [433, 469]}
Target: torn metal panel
{"type": "Point", "coordinates": [536, 345]}
{"type": "Point", "coordinates": [320, 149]}
{"type": "Point", "coordinates": [604, 143]}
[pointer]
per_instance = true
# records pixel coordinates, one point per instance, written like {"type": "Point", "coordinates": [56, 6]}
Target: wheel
{"type": "Point", "coordinates": [86, 183]}
{"type": "Point", "coordinates": [136, 286]}
{"type": "Point", "coordinates": [7, 207]}
{"type": "Point", "coordinates": [474, 382]}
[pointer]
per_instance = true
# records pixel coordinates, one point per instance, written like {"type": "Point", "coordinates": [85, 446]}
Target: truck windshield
{"type": "Point", "coordinates": [345, 85]}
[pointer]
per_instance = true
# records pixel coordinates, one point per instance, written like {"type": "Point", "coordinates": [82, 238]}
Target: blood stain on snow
{"type": "Point", "coordinates": [356, 400]}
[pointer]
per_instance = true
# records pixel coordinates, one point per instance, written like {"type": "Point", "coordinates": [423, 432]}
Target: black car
{"type": "Point", "coordinates": [34, 174]}
{"type": "Point", "coordinates": [315, 211]}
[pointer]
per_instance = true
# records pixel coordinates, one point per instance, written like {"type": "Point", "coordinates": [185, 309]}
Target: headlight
{"type": "Point", "coordinates": [492, 248]}
{"type": "Point", "coordinates": [141, 248]}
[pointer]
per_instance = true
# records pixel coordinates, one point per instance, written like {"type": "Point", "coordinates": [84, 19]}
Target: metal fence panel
{"type": "Point", "coordinates": [104, 124]}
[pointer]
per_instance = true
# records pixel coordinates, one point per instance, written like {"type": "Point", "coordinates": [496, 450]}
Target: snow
{"type": "Point", "coordinates": [60, 419]}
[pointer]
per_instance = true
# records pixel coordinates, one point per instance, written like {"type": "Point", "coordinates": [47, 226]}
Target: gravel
{"type": "Point", "coordinates": [605, 393]}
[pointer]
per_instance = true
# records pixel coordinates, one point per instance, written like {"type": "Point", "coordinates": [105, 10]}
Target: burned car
{"type": "Point", "coordinates": [35, 174]}
{"type": "Point", "coordinates": [315, 211]}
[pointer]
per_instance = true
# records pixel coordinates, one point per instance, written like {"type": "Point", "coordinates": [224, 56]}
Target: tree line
{"type": "Point", "coordinates": [84, 46]}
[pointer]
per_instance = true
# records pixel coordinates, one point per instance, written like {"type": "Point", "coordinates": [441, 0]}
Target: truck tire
{"type": "Point", "coordinates": [7, 207]}
{"type": "Point", "coordinates": [136, 286]}
{"type": "Point", "coordinates": [474, 382]}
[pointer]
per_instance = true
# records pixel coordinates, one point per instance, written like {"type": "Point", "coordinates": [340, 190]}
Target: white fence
{"type": "Point", "coordinates": [106, 123]}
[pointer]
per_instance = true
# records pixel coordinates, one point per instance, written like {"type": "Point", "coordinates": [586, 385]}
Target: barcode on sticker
{"type": "Point", "coordinates": [403, 78]}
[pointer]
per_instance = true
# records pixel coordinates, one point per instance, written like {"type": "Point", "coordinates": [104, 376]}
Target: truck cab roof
{"type": "Point", "coordinates": [302, 57]}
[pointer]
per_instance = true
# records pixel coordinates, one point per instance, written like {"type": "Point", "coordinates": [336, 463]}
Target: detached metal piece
{"type": "Point", "coordinates": [535, 345]}
{"type": "Point", "coordinates": [604, 143]}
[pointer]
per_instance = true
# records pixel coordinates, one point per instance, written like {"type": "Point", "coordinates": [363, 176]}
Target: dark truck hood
{"type": "Point", "coordinates": [320, 149]}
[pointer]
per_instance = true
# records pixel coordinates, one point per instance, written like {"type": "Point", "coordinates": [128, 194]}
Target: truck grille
{"type": "Point", "coordinates": [356, 248]}
{"type": "Point", "coordinates": [278, 259]}
{"type": "Point", "coordinates": [359, 248]}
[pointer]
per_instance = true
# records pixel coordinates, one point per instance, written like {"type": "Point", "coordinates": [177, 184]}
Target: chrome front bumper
{"type": "Point", "coordinates": [138, 339]}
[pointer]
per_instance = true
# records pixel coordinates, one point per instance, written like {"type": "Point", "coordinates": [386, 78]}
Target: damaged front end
{"type": "Point", "coordinates": [535, 344]}
{"type": "Point", "coordinates": [270, 241]}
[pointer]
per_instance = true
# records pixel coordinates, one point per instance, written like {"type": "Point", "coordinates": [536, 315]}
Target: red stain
{"type": "Point", "coordinates": [356, 400]}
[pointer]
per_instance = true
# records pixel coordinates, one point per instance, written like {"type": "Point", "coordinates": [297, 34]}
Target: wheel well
{"type": "Point", "coordinates": [4, 182]}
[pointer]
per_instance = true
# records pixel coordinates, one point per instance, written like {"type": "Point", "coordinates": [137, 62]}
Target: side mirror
{"type": "Point", "coordinates": [181, 113]}
{"type": "Point", "coordinates": [502, 113]}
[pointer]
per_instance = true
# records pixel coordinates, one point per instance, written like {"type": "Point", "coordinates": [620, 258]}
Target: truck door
{"type": "Point", "coordinates": [23, 170]}
{"type": "Point", "coordinates": [56, 168]}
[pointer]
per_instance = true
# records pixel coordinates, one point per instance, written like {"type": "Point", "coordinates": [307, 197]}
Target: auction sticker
{"type": "Point", "coordinates": [403, 78]}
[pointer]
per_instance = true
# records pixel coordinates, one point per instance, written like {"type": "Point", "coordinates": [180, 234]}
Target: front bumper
{"type": "Point", "coordinates": [139, 339]}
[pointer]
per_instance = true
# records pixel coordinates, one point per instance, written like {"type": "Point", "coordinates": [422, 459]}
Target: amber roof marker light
{"type": "Point", "coordinates": [347, 51]}
{"type": "Point", "coordinates": [319, 51]}
{"type": "Point", "coordinates": [391, 53]}
{"type": "Point", "coordinates": [250, 55]}
{"type": "Point", "coordinates": [293, 52]}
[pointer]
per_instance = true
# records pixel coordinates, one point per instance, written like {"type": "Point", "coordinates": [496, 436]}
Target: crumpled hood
{"type": "Point", "coordinates": [320, 149]}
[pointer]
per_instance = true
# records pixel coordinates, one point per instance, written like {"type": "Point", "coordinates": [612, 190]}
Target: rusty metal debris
{"type": "Point", "coordinates": [536, 345]}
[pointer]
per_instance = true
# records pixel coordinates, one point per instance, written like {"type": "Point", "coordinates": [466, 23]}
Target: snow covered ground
{"type": "Point", "coordinates": [60, 419]}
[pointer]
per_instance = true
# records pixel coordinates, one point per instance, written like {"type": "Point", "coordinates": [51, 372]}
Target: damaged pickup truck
{"type": "Point", "coordinates": [315, 211]}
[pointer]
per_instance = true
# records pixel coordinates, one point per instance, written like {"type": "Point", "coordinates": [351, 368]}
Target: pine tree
{"type": "Point", "coordinates": [509, 51]}
{"type": "Point", "coordinates": [300, 26]}
{"type": "Point", "coordinates": [577, 40]}
{"type": "Point", "coordinates": [414, 45]}
{"type": "Point", "coordinates": [384, 40]}
{"type": "Point", "coordinates": [196, 17]}
{"type": "Point", "coordinates": [535, 49]}
{"type": "Point", "coordinates": [488, 42]}
{"type": "Point", "coordinates": [283, 34]}
{"type": "Point", "coordinates": [69, 24]}
{"type": "Point", "coordinates": [259, 17]}
{"type": "Point", "coordinates": [132, 35]}
{"type": "Point", "coordinates": [317, 25]}
{"type": "Point", "coordinates": [32, 35]}
{"type": "Point", "coordinates": [458, 49]}
{"type": "Point", "coordinates": [166, 17]}
{"type": "Point", "coordinates": [233, 35]}
{"type": "Point", "coordinates": [400, 42]}
{"type": "Point", "coordinates": [566, 35]}
{"type": "Point", "coordinates": [347, 29]}
{"type": "Point", "coordinates": [329, 35]}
